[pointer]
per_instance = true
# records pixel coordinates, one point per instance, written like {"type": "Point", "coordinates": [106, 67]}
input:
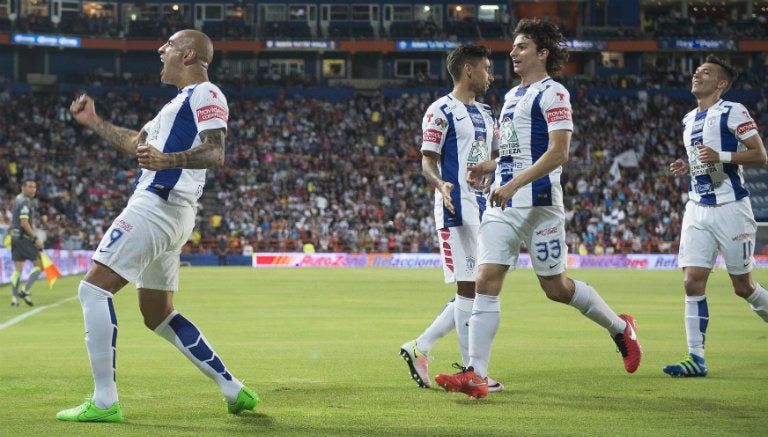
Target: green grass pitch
{"type": "Point", "coordinates": [320, 346]}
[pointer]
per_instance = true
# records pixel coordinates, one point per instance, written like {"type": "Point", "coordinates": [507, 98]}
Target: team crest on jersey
{"type": "Point", "coordinates": [470, 264]}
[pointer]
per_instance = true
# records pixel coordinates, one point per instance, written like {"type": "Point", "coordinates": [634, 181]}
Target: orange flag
{"type": "Point", "coordinates": [50, 269]}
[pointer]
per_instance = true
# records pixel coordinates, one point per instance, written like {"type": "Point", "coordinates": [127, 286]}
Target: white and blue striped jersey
{"type": "Point", "coordinates": [462, 135]}
{"type": "Point", "coordinates": [721, 127]}
{"type": "Point", "coordinates": [176, 128]}
{"type": "Point", "coordinates": [529, 114]}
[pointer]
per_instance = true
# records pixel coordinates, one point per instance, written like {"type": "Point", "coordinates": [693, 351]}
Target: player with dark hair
{"type": "Point", "coordinates": [526, 206]}
{"type": "Point", "coordinates": [457, 131]}
{"type": "Point", "coordinates": [719, 137]}
{"type": "Point", "coordinates": [144, 242]}
{"type": "Point", "coordinates": [25, 244]}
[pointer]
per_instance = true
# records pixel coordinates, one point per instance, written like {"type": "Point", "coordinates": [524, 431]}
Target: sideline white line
{"type": "Point", "coordinates": [21, 317]}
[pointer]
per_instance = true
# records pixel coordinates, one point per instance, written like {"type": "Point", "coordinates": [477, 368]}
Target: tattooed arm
{"type": "Point", "coordinates": [209, 154]}
{"type": "Point", "coordinates": [83, 110]}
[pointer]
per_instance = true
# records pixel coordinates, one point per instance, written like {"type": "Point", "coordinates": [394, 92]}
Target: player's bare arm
{"type": "Point", "coordinates": [209, 154]}
{"type": "Point", "coordinates": [83, 110]}
{"type": "Point", "coordinates": [432, 174]}
{"type": "Point", "coordinates": [753, 155]}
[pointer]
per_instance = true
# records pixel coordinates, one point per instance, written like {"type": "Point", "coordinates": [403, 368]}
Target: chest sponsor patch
{"type": "Point", "coordinates": [210, 112]}
{"type": "Point", "coordinates": [558, 114]}
{"type": "Point", "coordinates": [745, 127]}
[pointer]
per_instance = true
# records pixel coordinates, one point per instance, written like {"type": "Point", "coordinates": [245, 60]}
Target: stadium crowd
{"type": "Point", "coordinates": [345, 175]}
{"type": "Point", "coordinates": [658, 22]}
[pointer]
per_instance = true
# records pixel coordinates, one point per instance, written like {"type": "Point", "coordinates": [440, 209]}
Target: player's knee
{"type": "Point", "coordinates": [557, 293]}
{"type": "Point", "coordinates": [151, 322]}
{"type": "Point", "coordinates": [743, 287]}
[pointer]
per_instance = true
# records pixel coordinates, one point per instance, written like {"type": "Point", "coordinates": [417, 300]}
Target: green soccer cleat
{"type": "Point", "coordinates": [88, 412]}
{"type": "Point", "coordinates": [247, 399]}
{"type": "Point", "coordinates": [691, 365]}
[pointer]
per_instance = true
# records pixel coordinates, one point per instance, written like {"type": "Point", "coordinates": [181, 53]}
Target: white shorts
{"type": "Point", "coordinates": [541, 228]}
{"type": "Point", "coordinates": [729, 229]}
{"type": "Point", "coordinates": [144, 242]}
{"type": "Point", "coordinates": [458, 250]}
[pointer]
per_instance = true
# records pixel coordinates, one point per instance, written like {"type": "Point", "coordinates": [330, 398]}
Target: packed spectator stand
{"type": "Point", "coordinates": [344, 175]}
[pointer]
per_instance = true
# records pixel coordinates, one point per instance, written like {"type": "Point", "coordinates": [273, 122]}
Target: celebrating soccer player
{"type": "Point", "coordinates": [144, 242]}
{"type": "Point", "coordinates": [719, 137]}
{"type": "Point", "coordinates": [526, 206]}
{"type": "Point", "coordinates": [457, 131]}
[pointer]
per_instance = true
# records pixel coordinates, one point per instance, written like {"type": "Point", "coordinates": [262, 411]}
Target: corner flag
{"type": "Point", "coordinates": [50, 269]}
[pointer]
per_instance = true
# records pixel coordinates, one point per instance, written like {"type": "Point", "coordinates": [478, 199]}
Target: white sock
{"type": "Point", "coordinates": [486, 316]}
{"type": "Point", "coordinates": [462, 310]}
{"type": "Point", "coordinates": [759, 302]}
{"type": "Point", "coordinates": [696, 321]}
{"type": "Point", "coordinates": [586, 300]}
{"type": "Point", "coordinates": [440, 327]}
{"type": "Point", "coordinates": [192, 343]}
{"type": "Point", "coordinates": [100, 340]}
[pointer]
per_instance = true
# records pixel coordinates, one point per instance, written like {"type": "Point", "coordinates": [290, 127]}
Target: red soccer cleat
{"type": "Point", "coordinates": [629, 345]}
{"type": "Point", "coordinates": [466, 382]}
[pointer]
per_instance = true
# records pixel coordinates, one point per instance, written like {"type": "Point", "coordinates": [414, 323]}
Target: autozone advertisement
{"type": "Point", "coordinates": [432, 260]}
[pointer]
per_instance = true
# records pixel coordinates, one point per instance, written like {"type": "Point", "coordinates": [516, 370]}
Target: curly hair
{"type": "Point", "coordinates": [466, 54]}
{"type": "Point", "coordinates": [546, 35]}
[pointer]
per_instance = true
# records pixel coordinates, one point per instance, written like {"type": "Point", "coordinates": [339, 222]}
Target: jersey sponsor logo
{"type": "Point", "coordinates": [478, 152]}
{"type": "Point", "coordinates": [703, 188]}
{"type": "Point", "coordinates": [440, 123]}
{"type": "Point", "coordinates": [124, 225]}
{"type": "Point", "coordinates": [210, 112]}
{"type": "Point", "coordinates": [745, 127]}
{"type": "Point", "coordinates": [558, 114]}
{"type": "Point", "coordinates": [744, 236]}
{"type": "Point", "coordinates": [510, 149]}
{"type": "Point", "coordinates": [432, 136]}
{"type": "Point", "coordinates": [548, 231]}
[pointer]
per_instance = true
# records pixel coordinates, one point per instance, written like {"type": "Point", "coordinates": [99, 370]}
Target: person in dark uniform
{"type": "Point", "coordinates": [25, 246]}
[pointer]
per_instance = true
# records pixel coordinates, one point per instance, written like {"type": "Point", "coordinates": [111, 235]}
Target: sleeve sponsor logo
{"type": "Point", "coordinates": [440, 123]}
{"type": "Point", "coordinates": [745, 127]}
{"type": "Point", "coordinates": [432, 136]}
{"type": "Point", "coordinates": [558, 114]}
{"type": "Point", "coordinates": [210, 112]}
